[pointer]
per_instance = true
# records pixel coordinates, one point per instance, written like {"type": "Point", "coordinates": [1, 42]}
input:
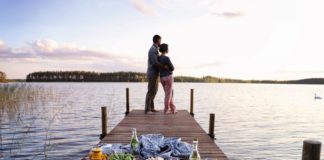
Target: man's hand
{"type": "Point", "coordinates": [166, 67]}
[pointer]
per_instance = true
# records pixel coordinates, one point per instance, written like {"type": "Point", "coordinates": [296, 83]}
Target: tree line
{"type": "Point", "coordinates": [84, 76]}
{"type": "Point", "coordinates": [3, 76]}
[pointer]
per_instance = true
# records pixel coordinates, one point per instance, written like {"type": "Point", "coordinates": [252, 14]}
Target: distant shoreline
{"type": "Point", "coordinates": [85, 76]}
{"type": "Point", "coordinates": [24, 81]}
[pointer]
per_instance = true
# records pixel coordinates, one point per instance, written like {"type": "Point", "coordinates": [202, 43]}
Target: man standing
{"type": "Point", "coordinates": [152, 74]}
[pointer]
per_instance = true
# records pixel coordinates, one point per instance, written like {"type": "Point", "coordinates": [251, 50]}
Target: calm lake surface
{"type": "Point", "coordinates": [253, 121]}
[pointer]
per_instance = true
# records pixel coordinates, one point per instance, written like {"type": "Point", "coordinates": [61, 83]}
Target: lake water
{"type": "Point", "coordinates": [253, 121]}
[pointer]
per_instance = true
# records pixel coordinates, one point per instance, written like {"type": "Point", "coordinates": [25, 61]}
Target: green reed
{"type": "Point", "coordinates": [15, 97]}
{"type": "Point", "coordinates": [21, 100]}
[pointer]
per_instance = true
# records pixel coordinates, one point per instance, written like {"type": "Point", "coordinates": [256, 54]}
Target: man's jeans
{"type": "Point", "coordinates": [153, 84]}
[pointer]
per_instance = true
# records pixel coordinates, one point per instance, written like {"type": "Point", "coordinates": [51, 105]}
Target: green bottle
{"type": "Point", "coordinates": [134, 141]}
{"type": "Point", "coordinates": [194, 155]}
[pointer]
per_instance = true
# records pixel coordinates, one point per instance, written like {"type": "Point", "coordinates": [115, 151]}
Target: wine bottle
{"type": "Point", "coordinates": [134, 141]}
{"type": "Point", "coordinates": [194, 155]}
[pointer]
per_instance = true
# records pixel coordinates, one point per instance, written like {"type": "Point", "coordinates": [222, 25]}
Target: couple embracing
{"type": "Point", "coordinates": [159, 66]}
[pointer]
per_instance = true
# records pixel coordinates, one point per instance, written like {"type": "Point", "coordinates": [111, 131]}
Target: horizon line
{"type": "Point", "coordinates": [174, 76]}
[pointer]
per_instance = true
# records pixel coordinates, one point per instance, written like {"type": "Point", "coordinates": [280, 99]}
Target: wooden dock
{"type": "Point", "coordinates": [181, 125]}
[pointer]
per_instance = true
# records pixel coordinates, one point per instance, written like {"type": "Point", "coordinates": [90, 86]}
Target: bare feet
{"type": "Point", "coordinates": [174, 112]}
{"type": "Point", "coordinates": [167, 112]}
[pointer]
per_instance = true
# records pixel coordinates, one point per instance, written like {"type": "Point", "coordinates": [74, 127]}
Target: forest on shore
{"type": "Point", "coordinates": [3, 77]}
{"type": "Point", "coordinates": [85, 76]}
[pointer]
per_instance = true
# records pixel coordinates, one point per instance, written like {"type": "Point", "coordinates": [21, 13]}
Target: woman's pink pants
{"type": "Point", "coordinates": [167, 83]}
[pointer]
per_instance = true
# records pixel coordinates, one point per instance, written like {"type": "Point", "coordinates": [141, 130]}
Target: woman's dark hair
{"type": "Point", "coordinates": [164, 47]}
{"type": "Point", "coordinates": [156, 38]}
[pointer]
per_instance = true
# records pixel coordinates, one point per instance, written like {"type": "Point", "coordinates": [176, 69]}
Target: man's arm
{"type": "Point", "coordinates": [154, 59]}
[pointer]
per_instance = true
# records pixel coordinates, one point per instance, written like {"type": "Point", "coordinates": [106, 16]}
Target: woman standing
{"type": "Point", "coordinates": [166, 79]}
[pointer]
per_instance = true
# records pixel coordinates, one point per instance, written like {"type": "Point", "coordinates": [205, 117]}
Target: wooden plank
{"type": "Point", "coordinates": [181, 125]}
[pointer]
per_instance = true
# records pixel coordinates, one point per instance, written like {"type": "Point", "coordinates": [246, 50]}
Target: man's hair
{"type": "Point", "coordinates": [156, 38]}
{"type": "Point", "coordinates": [163, 48]}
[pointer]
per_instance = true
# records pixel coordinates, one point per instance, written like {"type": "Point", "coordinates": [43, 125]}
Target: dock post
{"type": "Point", "coordinates": [311, 150]}
{"type": "Point", "coordinates": [192, 102]}
{"type": "Point", "coordinates": [212, 126]}
{"type": "Point", "coordinates": [127, 101]}
{"type": "Point", "coordinates": [103, 122]}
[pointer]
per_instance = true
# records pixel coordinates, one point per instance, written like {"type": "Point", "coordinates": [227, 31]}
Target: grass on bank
{"type": "Point", "coordinates": [21, 96]}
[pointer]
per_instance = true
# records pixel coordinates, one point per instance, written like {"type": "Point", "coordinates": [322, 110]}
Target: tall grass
{"type": "Point", "coordinates": [21, 101]}
{"type": "Point", "coordinates": [15, 97]}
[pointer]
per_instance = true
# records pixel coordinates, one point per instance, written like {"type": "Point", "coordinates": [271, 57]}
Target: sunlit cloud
{"type": "Point", "coordinates": [163, 3]}
{"type": "Point", "coordinates": [203, 65]}
{"type": "Point", "coordinates": [249, 38]}
{"type": "Point", "coordinates": [226, 9]}
{"type": "Point", "coordinates": [143, 7]}
{"type": "Point", "coordinates": [44, 46]}
{"type": "Point", "coordinates": [47, 49]}
{"type": "Point", "coordinates": [208, 65]}
{"type": "Point", "coordinates": [1, 44]}
{"type": "Point", "coordinates": [48, 54]}
{"type": "Point", "coordinates": [229, 14]}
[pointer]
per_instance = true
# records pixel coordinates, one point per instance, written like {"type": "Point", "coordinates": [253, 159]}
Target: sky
{"type": "Point", "coordinates": [244, 39]}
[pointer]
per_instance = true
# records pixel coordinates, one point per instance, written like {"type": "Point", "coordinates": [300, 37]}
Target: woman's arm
{"type": "Point", "coordinates": [171, 67]}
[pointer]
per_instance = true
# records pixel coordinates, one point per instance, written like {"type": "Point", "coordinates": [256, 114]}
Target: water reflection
{"type": "Point", "coordinates": [253, 121]}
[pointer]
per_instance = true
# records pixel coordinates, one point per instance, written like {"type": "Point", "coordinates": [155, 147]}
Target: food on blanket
{"type": "Point", "coordinates": [96, 154]}
{"type": "Point", "coordinates": [121, 156]}
{"type": "Point", "coordinates": [155, 158]}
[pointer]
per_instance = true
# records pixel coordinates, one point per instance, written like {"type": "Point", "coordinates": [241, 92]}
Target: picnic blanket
{"type": "Point", "coordinates": [154, 145]}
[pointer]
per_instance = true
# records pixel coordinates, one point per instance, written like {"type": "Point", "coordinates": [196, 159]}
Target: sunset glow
{"type": "Point", "coordinates": [246, 39]}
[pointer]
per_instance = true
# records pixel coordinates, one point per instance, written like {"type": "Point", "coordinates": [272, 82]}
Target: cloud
{"type": "Point", "coordinates": [163, 3]}
{"type": "Point", "coordinates": [1, 44]}
{"type": "Point", "coordinates": [47, 49]}
{"type": "Point", "coordinates": [226, 9]}
{"type": "Point", "coordinates": [200, 66]}
{"type": "Point", "coordinates": [229, 14]}
{"type": "Point", "coordinates": [144, 7]}
{"type": "Point", "coordinates": [208, 65]}
{"type": "Point", "coordinates": [47, 54]}
{"type": "Point", "coordinates": [44, 46]}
